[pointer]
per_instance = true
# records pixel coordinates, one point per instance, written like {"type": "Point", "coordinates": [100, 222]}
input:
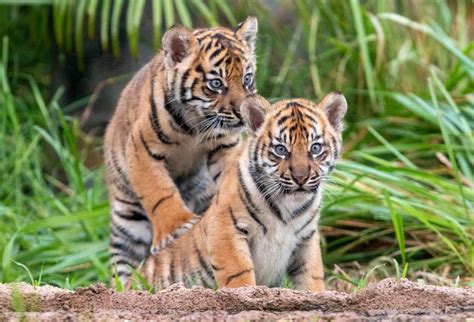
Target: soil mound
{"type": "Point", "coordinates": [402, 300]}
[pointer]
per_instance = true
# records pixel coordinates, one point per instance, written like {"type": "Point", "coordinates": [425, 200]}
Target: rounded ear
{"type": "Point", "coordinates": [178, 43]}
{"type": "Point", "coordinates": [334, 106]}
{"type": "Point", "coordinates": [247, 31]}
{"type": "Point", "coordinates": [253, 110]}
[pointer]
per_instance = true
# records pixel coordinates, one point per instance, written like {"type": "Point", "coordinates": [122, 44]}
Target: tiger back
{"type": "Point", "coordinates": [174, 123]}
{"type": "Point", "coordinates": [262, 223]}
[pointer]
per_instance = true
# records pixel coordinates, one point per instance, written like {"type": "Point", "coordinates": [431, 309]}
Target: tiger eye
{"type": "Point", "coordinates": [280, 150]}
{"type": "Point", "coordinates": [248, 79]}
{"type": "Point", "coordinates": [215, 83]}
{"type": "Point", "coordinates": [316, 148]}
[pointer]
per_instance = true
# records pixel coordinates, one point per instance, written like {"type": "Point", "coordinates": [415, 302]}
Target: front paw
{"type": "Point", "coordinates": [161, 243]}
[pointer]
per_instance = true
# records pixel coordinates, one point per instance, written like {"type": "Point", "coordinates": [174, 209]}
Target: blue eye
{"type": "Point", "coordinates": [280, 150]}
{"type": "Point", "coordinates": [215, 84]}
{"type": "Point", "coordinates": [248, 79]}
{"type": "Point", "coordinates": [316, 148]}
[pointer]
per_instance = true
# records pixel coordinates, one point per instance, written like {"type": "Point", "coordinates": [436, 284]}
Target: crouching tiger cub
{"type": "Point", "coordinates": [262, 223]}
{"type": "Point", "coordinates": [165, 143]}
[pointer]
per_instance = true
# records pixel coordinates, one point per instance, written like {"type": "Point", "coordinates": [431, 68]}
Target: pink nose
{"type": "Point", "coordinates": [300, 178]}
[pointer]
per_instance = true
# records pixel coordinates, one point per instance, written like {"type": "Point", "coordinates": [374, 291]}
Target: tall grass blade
{"type": "Point", "coordinates": [105, 24]}
{"type": "Point", "coordinates": [364, 51]}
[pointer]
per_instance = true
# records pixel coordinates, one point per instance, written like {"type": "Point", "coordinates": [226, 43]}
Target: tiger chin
{"type": "Point", "coordinates": [175, 122]}
{"type": "Point", "coordinates": [262, 223]}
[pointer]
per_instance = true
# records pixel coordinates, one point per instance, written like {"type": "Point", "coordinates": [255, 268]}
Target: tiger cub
{"type": "Point", "coordinates": [262, 224]}
{"type": "Point", "coordinates": [174, 122]}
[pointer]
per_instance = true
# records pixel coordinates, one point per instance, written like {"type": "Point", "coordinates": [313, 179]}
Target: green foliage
{"type": "Point", "coordinates": [404, 190]}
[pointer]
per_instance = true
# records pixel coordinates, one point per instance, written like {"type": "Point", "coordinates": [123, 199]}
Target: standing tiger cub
{"type": "Point", "coordinates": [165, 145]}
{"type": "Point", "coordinates": [262, 224]}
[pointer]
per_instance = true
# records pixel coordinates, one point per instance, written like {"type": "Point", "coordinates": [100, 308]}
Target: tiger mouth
{"type": "Point", "coordinates": [298, 189]}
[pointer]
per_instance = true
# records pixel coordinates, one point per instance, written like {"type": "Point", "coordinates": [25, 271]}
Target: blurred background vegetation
{"type": "Point", "coordinates": [401, 202]}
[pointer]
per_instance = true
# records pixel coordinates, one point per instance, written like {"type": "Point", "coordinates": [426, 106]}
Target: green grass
{"type": "Point", "coordinates": [403, 195]}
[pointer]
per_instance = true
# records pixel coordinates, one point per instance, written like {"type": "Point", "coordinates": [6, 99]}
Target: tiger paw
{"type": "Point", "coordinates": [161, 243]}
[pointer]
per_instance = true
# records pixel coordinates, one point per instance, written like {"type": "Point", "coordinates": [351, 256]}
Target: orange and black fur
{"type": "Point", "coordinates": [165, 145]}
{"type": "Point", "coordinates": [262, 224]}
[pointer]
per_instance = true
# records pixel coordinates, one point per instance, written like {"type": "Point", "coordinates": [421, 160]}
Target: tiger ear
{"type": "Point", "coordinates": [334, 106]}
{"type": "Point", "coordinates": [247, 31]}
{"type": "Point", "coordinates": [178, 43]}
{"type": "Point", "coordinates": [253, 110]}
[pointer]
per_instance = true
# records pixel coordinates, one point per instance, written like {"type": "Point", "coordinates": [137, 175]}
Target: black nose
{"type": "Point", "coordinates": [300, 178]}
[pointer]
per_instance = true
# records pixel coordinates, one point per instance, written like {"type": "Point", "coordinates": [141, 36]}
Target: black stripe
{"type": "Point", "coordinates": [202, 262]}
{"type": "Point", "coordinates": [230, 278]}
{"type": "Point", "coordinates": [255, 174]}
{"type": "Point", "coordinates": [155, 123]}
{"type": "Point", "coordinates": [133, 143]}
{"type": "Point", "coordinates": [177, 117]}
{"type": "Point", "coordinates": [157, 157]}
{"type": "Point", "coordinates": [220, 36]}
{"type": "Point", "coordinates": [215, 53]}
{"type": "Point", "coordinates": [129, 252]}
{"type": "Point", "coordinates": [199, 69]}
{"type": "Point", "coordinates": [215, 268]}
{"type": "Point", "coordinates": [217, 63]}
{"type": "Point", "coordinates": [247, 201]}
{"type": "Point", "coordinates": [160, 201]}
{"type": "Point", "coordinates": [301, 210]}
{"type": "Point", "coordinates": [208, 46]}
{"type": "Point", "coordinates": [158, 131]}
{"type": "Point", "coordinates": [184, 78]}
{"type": "Point", "coordinates": [132, 215]}
{"type": "Point", "coordinates": [294, 104]}
{"type": "Point", "coordinates": [128, 235]}
{"type": "Point", "coordinates": [306, 223]}
{"type": "Point", "coordinates": [234, 221]}
{"type": "Point", "coordinates": [127, 202]}
{"type": "Point", "coordinates": [312, 119]}
{"type": "Point", "coordinates": [124, 189]}
{"type": "Point", "coordinates": [252, 214]}
{"type": "Point", "coordinates": [219, 148]}
{"type": "Point", "coordinates": [297, 267]}
{"type": "Point", "coordinates": [283, 119]}
{"type": "Point", "coordinates": [309, 236]}
{"type": "Point", "coordinates": [122, 174]}
{"type": "Point", "coordinates": [216, 176]}
{"type": "Point", "coordinates": [123, 261]}
{"type": "Point", "coordinates": [122, 273]}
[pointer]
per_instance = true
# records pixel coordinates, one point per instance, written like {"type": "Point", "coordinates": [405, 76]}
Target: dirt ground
{"type": "Point", "coordinates": [388, 299]}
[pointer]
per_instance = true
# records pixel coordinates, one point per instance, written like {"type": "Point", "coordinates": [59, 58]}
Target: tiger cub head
{"type": "Point", "coordinates": [294, 144]}
{"type": "Point", "coordinates": [210, 72]}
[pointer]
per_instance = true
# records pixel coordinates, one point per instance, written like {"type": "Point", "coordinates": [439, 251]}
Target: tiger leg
{"type": "Point", "coordinates": [130, 229]}
{"type": "Point", "coordinates": [306, 266]}
{"type": "Point", "coordinates": [130, 237]}
{"type": "Point", "coordinates": [230, 254]}
{"type": "Point", "coordinates": [158, 194]}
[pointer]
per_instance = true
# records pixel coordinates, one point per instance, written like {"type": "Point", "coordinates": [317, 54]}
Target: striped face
{"type": "Point", "coordinates": [298, 144]}
{"type": "Point", "coordinates": [210, 72]}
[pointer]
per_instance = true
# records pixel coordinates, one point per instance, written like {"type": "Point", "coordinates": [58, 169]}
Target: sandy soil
{"type": "Point", "coordinates": [388, 299]}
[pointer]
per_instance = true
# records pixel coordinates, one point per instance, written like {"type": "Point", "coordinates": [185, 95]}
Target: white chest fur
{"type": "Point", "coordinates": [271, 252]}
